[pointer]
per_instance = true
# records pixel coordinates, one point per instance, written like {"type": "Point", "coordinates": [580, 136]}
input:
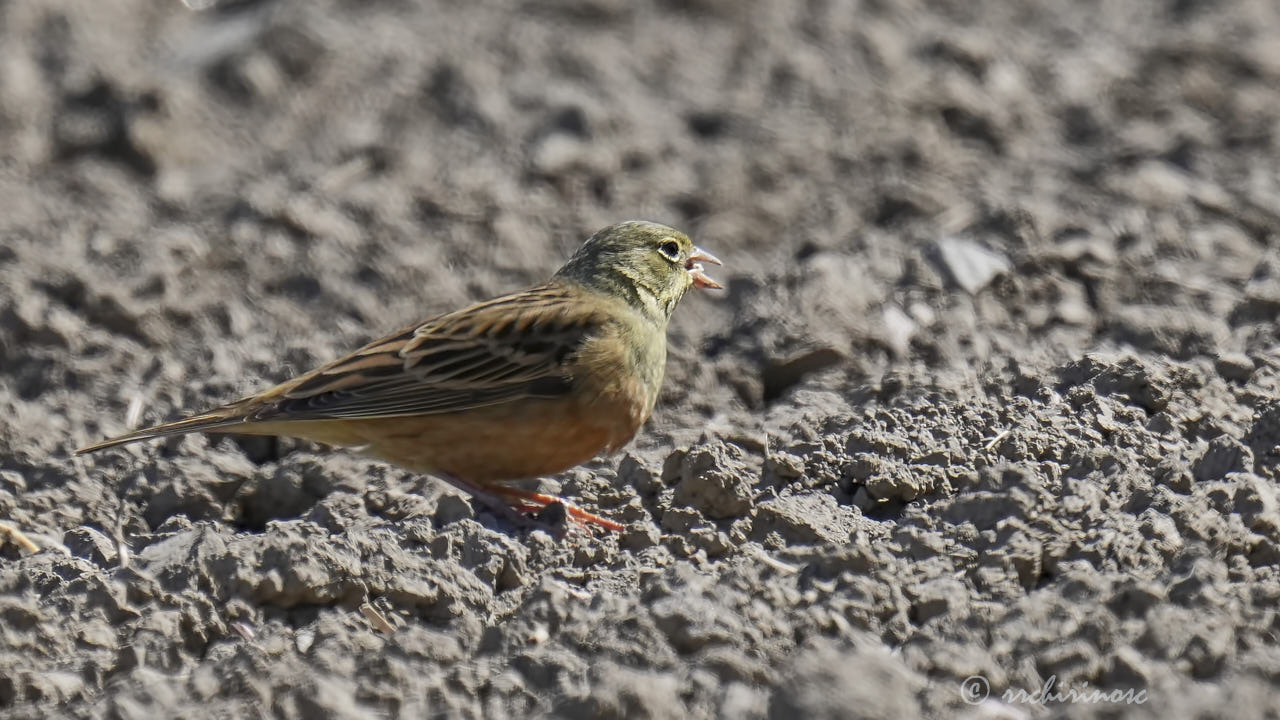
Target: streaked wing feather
{"type": "Point", "coordinates": [514, 347]}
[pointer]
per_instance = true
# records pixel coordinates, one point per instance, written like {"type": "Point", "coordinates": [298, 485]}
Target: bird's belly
{"type": "Point", "coordinates": [534, 439]}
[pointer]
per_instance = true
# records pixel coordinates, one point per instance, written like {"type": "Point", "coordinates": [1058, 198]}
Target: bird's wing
{"type": "Point", "coordinates": [514, 347]}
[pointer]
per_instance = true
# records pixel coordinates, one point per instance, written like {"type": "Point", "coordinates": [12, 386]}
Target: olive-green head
{"type": "Point", "coordinates": [649, 265]}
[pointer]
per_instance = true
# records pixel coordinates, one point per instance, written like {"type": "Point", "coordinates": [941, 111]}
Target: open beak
{"type": "Point", "coordinates": [694, 266]}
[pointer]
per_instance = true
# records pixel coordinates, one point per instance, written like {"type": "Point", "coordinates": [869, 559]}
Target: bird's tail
{"type": "Point", "coordinates": [213, 420]}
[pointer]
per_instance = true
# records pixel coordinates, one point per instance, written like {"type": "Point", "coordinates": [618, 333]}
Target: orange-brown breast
{"type": "Point", "coordinates": [524, 439]}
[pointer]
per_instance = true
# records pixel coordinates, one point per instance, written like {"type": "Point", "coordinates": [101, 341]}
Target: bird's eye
{"type": "Point", "coordinates": [670, 250]}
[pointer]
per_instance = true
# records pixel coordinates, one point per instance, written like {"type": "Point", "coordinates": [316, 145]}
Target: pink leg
{"type": "Point", "coordinates": [517, 504]}
{"type": "Point", "coordinates": [542, 500]}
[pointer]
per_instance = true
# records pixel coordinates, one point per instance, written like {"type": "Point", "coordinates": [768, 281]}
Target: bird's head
{"type": "Point", "coordinates": [649, 265]}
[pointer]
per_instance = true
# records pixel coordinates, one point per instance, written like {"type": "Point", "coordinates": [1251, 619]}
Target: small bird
{"type": "Point", "coordinates": [515, 388]}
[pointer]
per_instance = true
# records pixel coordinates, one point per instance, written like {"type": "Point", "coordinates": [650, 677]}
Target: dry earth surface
{"type": "Point", "coordinates": [992, 389]}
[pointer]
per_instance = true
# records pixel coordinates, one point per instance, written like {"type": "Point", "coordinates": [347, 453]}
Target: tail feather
{"type": "Point", "coordinates": [200, 423]}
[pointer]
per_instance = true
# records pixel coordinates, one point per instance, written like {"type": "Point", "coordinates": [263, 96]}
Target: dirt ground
{"type": "Point", "coordinates": [992, 390]}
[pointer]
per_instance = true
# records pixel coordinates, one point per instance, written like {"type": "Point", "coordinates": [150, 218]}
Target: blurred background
{"type": "Point", "coordinates": [929, 212]}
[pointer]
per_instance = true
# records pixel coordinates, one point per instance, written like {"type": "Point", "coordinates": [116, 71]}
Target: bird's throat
{"type": "Point", "coordinates": [641, 295]}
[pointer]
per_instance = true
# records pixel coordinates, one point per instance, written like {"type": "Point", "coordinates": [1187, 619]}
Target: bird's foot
{"type": "Point", "coordinates": [543, 503]}
{"type": "Point", "coordinates": [525, 506]}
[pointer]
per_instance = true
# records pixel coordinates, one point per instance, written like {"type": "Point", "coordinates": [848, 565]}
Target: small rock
{"type": "Point", "coordinates": [1264, 436]}
{"type": "Point", "coordinates": [1139, 384]}
{"type": "Point", "coordinates": [714, 480]}
{"type": "Point", "coordinates": [451, 508]}
{"type": "Point", "coordinates": [1224, 455]}
{"type": "Point", "coordinates": [639, 536]}
{"type": "Point", "coordinates": [304, 639]}
{"type": "Point", "coordinates": [681, 520]}
{"type": "Point", "coordinates": [1255, 496]}
{"type": "Point", "coordinates": [1176, 477]}
{"type": "Point", "coordinates": [172, 499]}
{"type": "Point", "coordinates": [673, 466]}
{"type": "Point", "coordinates": [714, 542]}
{"type": "Point", "coordinates": [809, 518]}
{"type": "Point", "coordinates": [632, 472]}
{"type": "Point", "coordinates": [863, 500]}
{"type": "Point", "coordinates": [782, 467]}
{"type": "Point", "coordinates": [1234, 366]}
{"type": "Point", "coordinates": [513, 575]}
{"type": "Point", "coordinates": [939, 597]}
{"type": "Point", "coordinates": [91, 544]}
{"type": "Point", "coordinates": [12, 481]}
{"type": "Point", "coordinates": [900, 483]}
{"type": "Point", "coordinates": [1161, 533]}
{"type": "Point", "coordinates": [97, 633]}
{"type": "Point", "coordinates": [969, 264]}
{"type": "Point", "coordinates": [899, 328]}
